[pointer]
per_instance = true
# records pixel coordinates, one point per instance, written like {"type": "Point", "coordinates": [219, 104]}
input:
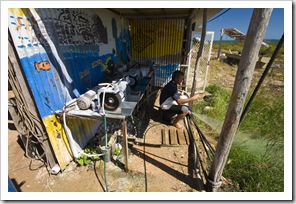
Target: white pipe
{"type": "Point", "coordinates": [72, 143]}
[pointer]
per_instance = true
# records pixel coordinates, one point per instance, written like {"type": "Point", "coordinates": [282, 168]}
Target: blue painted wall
{"type": "Point", "coordinates": [85, 41]}
{"type": "Point", "coordinates": [63, 53]}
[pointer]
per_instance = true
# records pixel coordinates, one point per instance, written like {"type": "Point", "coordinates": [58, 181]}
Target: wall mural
{"type": "Point", "coordinates": [77, 27]}
{"type": "Point", "coordinates": [79, 35]}
{"type": "Point", "coordinates": [63, 52]}
{"type": "Point", "coordinates": [140, 41]}
{"type": "Point", "coordinates": [44, 65]}
{"type": "Point", "coordinates": [65, 45]}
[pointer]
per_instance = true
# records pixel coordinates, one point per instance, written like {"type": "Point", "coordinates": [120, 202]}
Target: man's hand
{"type": "Point", "coordinates": [194, 97]}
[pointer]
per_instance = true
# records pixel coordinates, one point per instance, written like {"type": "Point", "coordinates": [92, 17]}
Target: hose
{"type": "Point", "coordinates": [204, 141]}
{"type": "Point", "coordinates": [73, 147]}
{"type": "Point", "coordinates": [106, 136]}
{"type": "Point", "coordinates": [198, 163]}
{"type": "Point", "coordinates": [196, 156]}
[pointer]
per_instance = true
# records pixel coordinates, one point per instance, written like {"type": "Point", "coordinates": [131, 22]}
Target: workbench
{"type": "Point", "coordinates": [124, 110]}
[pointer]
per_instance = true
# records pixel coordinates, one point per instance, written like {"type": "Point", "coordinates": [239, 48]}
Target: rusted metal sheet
{"type": "Point", "coordinates": [160, 42]}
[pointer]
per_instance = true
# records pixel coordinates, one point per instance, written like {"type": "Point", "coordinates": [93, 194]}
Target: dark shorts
{"type": "Point", "coordinates": [174, 110]}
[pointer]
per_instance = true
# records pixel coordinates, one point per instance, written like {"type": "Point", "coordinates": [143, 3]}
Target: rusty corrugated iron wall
{"type": "Point", "coordinates": [63, 53]}
{"type": "Point", "coordinates": [158, 41]}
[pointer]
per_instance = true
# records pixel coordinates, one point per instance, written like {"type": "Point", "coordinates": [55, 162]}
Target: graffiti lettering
{"type": "Point", "coordinates": [86, 29]}
{"type": "Point", "coordinates": [83, 74]}
{"type": "Point", "coordinates": [96, 63]}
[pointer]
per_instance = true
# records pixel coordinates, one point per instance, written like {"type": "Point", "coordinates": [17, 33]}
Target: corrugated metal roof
{"type": "Point", "coordinates": [238, 35]}
{"type": "Point", "coordinates": [166, 13]}
{"type": "Point", "coordinates": [235, 34]}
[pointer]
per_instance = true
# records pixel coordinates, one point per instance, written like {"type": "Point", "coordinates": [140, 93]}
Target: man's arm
{"type": "Point", "coordinates": [187, 100]}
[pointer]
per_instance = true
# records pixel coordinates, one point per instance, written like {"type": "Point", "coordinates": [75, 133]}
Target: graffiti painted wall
{"type": "Point", "coordinates": [160, 41]}
{"type": "Point", "coordinates": [63, 53]}
{"type": "Point", "coordinates": [67, 51]}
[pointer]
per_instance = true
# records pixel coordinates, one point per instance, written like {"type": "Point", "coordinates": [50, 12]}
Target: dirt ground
{"type": "Point", "coordinates": [152, 167]}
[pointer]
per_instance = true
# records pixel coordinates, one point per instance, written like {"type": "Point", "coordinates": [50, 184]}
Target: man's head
{"type": "Point", "coordinates": [178, 77]}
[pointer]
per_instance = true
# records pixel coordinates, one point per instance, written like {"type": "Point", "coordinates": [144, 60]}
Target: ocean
{"type": "Point", "coordinates": [265, 40]}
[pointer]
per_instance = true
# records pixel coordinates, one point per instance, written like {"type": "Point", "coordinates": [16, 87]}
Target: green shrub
{"type": "Point", "coordinates": [253, 173]}
{"type": "Point", "coordinates": [219, 105]}
{"type": "Point", "coordinates": [256, 169]}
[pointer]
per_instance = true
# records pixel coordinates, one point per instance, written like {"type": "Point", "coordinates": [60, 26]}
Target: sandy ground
{"type": "Point", "coordinates": [152, 167]}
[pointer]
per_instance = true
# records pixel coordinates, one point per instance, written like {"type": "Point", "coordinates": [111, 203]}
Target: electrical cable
{"type": "Point", "coordinates": [277, 49]}
{"type": "Point", "coordinates": [205, 142]}
{"type": "Point", "coordinates": [218, 15]}
{"type": "Point", "coordinates": [31, 125]}
{"type": "Point", "coordinates": [197, 158]}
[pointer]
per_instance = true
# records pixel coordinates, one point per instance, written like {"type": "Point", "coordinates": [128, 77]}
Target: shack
{"type": "Point", "coordinates": [74, 70]}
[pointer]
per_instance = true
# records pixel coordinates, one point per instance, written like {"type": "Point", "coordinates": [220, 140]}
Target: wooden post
{"type": "Point", "coordinates": [199, 54]}
{"type": "Point", "coordinates": [220, 42]}
{"type": "Point", "coordinates": [255, 36]}
{"type": "Point", "coordinates": [187, 59]}
{"type": "Point", "coordinates": [125, 145]}
{"type": "Point", "coordinates": [26, 94]}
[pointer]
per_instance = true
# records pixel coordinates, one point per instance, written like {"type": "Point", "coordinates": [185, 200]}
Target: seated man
{"type": "Point", "coordinates": [172, 103]}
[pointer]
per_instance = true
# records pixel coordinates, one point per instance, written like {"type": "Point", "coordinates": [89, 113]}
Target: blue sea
{"type": "Point", "coordinates": [265, 40]}
{"type": "Point", "coordinates": [271, 40]}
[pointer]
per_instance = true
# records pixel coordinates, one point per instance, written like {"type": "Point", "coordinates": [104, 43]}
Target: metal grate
{"type": "Point", "coordinates": [203, 63]}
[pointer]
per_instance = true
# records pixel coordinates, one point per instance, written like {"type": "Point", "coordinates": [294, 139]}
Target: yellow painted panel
{"type": "Point", "coordinates": [156, 38]}
{"type": "Point", "coordinates": [58, 140]}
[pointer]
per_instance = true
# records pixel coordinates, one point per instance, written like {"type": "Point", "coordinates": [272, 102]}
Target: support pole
{"type": "Point", "coordinates": [199, 54]}
{"type": "Point", "coordinates": [220, 42]}
{"type": "Point", "coordinates": [255, 36]}
{"type": "Point", "coordinates": [125, 145]}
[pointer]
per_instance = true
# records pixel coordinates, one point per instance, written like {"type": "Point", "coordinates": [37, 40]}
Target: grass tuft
{"type": "Point", "coordinates": [256, 159]}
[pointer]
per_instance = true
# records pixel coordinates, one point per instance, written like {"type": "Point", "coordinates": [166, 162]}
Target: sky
{"type": "Point", "coordinates": [240, 18]}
